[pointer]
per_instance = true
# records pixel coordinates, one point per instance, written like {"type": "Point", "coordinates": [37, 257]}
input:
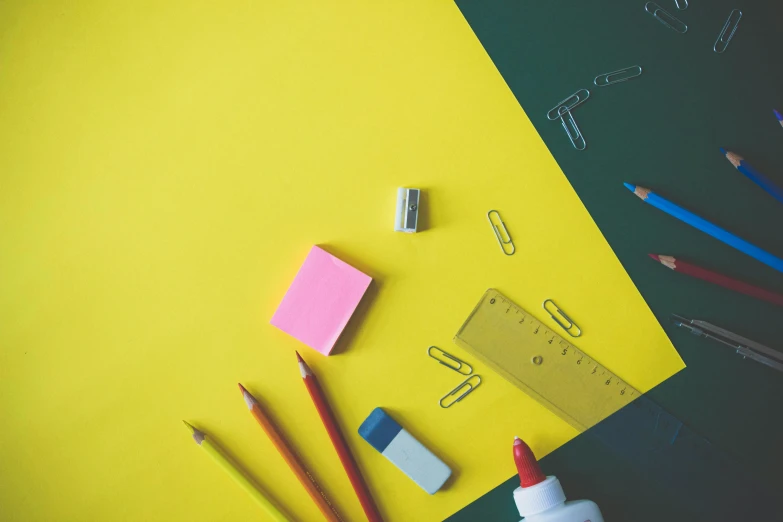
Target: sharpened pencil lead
{"type": "Point", "coordinates": [304, 370]}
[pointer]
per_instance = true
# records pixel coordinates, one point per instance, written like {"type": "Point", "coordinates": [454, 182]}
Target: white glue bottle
{"type": "Point", "coordinates": [541, 498]}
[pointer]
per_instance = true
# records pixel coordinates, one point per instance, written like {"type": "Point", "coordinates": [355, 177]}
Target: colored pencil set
{"type": "Point", "coordinates": [686, 216]}
{"type": "Point", "coordinates": [305, 477]}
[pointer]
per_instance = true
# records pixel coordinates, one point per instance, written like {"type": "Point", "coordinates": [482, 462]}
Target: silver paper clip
{"type": "Point", "coordinates": [665, 17]}
{"type": "Point", "coordinates": [449, 361]}
{"type": "Point", "coordinates": [569, 325]}
{"type": "Point", "coordinates": [499, 235]}
{"type": "Point", "coordinates": [574, 134]}
{"type": "Point", "coordinates": [731, 23]}
{"type": "Point", "coordinates": [681, 4]}
{"type": "Point", "coordinates": [468, 385]}
{"type": "Point", "coordinates": [622, 75]}
{"type": "Point", "coordinates": [572, 101]}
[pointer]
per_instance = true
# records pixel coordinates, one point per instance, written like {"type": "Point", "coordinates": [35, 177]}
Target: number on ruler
{"type": "Point", "coordinates": [565, 351]}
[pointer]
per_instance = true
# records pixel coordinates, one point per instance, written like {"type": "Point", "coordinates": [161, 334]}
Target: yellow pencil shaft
{"type": "Point", "coordinates": [272, 510]}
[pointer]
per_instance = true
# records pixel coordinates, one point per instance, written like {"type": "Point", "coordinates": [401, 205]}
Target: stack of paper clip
{"type": "Point", "coordinates": [563, 109]}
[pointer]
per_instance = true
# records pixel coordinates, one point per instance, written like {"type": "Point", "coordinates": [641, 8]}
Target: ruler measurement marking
{"type": "Point", "coordinates": [572, 397]}
{"type": "Point", "coordinates": [576, 352]}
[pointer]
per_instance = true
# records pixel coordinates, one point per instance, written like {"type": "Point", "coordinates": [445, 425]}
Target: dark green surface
{"type": "Point", "coordinates": [662, 131]}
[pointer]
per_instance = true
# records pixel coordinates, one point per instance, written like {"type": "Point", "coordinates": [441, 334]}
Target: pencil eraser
{"type": "Point", "coordinates": [406, 219]}
{"type": "Point", "coordinates": [404, 451]}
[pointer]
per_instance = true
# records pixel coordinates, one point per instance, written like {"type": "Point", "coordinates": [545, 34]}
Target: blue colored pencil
{"type": "Point", "coordinates": [778, 116]}
{"type": "Point", "coordinates": [702, 224]}
{"type": "Point", "coordinates": [755, 176]}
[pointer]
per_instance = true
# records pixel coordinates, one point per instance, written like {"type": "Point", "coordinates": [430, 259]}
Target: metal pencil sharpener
{"type": "Point", "coordinates": [407, 216]}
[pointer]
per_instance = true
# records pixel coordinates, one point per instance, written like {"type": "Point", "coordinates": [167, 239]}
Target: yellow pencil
{"type": "Point", "coordinates": [218, 456]}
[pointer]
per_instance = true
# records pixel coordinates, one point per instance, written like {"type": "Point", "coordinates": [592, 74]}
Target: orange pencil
{"type": "Point", "coordinates": [305, 477]}
{"type": "Point", "coordinates": [338, 441]}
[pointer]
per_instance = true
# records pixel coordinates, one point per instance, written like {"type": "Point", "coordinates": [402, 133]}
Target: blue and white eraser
{"type": "Point", "coordinates": [408, 454]}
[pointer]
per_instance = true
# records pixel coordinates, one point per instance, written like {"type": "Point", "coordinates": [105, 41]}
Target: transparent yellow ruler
{"type": "Point", "coordinates": [550, 369]}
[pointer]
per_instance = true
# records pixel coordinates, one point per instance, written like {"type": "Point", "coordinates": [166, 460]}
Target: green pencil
{"type": "Point", "coordinates": [223, 461]}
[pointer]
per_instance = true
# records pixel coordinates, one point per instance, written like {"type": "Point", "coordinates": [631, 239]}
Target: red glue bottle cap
{"type": "Point", "coordinates": [527, 466]}
{"type": "Point", "coordinates": [538, 492]}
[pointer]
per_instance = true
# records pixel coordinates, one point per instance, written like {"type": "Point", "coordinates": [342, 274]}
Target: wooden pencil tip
{"type": "Point", "coordinates": [299, 358]}
{"type": "Point", "coordinates": [654, 256]}
{"type": "Point", "coordinates": [723, 151]}
{"type": "Point", "coordinates": [247, 396]}
{"type": "Point", "coordinates": [778, 115]}
{"type": "Point", "coordinates": [197, 435]}
{"type": "Point", "coordinates": [734, 159]}
{"type": "Point", "coordinates": [668, 261]}
{"type": "Point", "coordinates": [641, 192]}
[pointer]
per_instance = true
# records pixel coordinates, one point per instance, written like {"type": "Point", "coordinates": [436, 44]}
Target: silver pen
{"type": "Point", "coordinates": [742, 345]}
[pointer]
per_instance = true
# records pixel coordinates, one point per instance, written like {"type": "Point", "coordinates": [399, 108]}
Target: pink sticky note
{"type": "Point", "coordinates": [321, 300]}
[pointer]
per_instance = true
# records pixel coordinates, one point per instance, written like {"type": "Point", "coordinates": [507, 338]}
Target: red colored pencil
{"type": "Point", "coordinates": [719, 279]}
{"type": "Point", "coordinates": [338, 441]}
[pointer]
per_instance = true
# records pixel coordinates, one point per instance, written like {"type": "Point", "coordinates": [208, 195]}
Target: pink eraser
{"type": "Point", "coordinates": [321, 300]}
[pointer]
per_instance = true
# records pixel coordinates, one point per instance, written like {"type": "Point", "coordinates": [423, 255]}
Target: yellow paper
{"type": "Point", "coordinates": [165, 168]}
